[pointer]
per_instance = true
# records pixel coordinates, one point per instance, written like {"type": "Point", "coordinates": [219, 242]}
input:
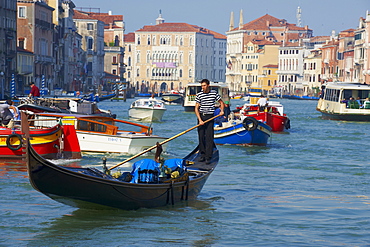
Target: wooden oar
{"type": "Point", "coordinates": [161, 143]}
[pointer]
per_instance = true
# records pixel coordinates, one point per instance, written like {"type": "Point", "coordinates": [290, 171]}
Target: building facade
{"type": "Point", "coordinates": [35, 33]}
{"type": "Point", "coordinates": [92, 32]}
{"type": "Point", "coordinates": [267, 34]}
{"type": "Point", "coordinates": [8, 47]}
{"type": "Point", "coordinates": [168, 56]}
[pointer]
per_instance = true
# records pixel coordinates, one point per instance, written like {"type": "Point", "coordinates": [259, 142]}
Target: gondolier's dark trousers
{"type": "Point", "coordinates": [205, 135]}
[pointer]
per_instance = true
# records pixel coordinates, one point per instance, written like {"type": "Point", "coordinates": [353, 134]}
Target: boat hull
{"type": "Point", "coordinates": [122, 143]}
{"type": "Point", "coordinates": [47, 142]}
{"type": "Point", "coordinates": [236, 134]}
{"type": "Point", "coordinates": [146, 114]}
{"type": "Point", "coordinates": [172, 98]}
{"type": "Point", "coordinates": [276, 122]}
{"type": "Point", "coordinates": [345, 117]}
{"type": "Point", "coordinates": [90, 188]}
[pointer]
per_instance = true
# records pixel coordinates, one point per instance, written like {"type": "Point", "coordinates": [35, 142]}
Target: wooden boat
{"type": "Point", "coordinates": [91, 188]}
{"type": "Point", "coordinates": [63, 105]}
{"type": "Point", "coordinates": [248, 131]}
{"type": "Point", "coordinates": [334, 104]}
{"type": "Point", "coordinates": [192, 89]}
{"type": "Point", "coordinates": [147, 110]}
{"type": "Point", "coordinates": [172, 98]}
{"type": "Point", "coordinates": [50, 142]}
{"type": "Point", "coordinates": [273, 115]}
{"type": "Point", "coordinates": [102, 134]}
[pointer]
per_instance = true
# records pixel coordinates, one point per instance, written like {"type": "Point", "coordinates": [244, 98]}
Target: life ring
{"type": "Point", "coordinates": [250, 123]}
{"type": "Point", "coordinates": [9, 145]}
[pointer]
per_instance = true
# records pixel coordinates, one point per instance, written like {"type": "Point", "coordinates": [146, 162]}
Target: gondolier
{"type": "Point", "coordinates": [204, 110]}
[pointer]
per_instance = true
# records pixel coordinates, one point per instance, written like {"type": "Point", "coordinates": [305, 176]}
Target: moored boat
{"type": "Point", "coordinates": [102, 134]}
{"type": "Point", "coordinates": [62, 105]}
{"type": "Point", "coordinates": [147, 110]}
{"type": "Point", "coordinates": [92, 188]}
{"type": "Point", "coordinates": [50, 142]}
{"type": "Point", "coordinates": [248, 131]}
{"type": "Point", "coordinates": [335, 103]}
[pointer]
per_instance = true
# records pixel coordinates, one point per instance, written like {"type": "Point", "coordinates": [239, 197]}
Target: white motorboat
{"type": "Point", "coordinates": [148, 110]}
{"type": "Point", "coordinates": [100, 134]}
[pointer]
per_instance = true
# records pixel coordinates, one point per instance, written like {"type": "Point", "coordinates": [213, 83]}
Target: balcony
{"type": "Point", "coordinates": [165, 78]}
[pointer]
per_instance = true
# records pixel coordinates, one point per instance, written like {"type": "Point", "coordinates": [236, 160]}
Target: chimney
{"type": "Point", "coordinates": [268, 23]}
{"type": "Point", "coordinates": [110, 12]}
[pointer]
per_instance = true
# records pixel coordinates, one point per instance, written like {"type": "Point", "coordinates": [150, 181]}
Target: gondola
{"type": "Point", "coordinates": [92, 188]}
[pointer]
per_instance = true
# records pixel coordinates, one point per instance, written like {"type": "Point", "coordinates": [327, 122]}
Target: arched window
{"type": "Point", "coordinates": [129, 61]}
{"type": "Point", "coordinates": [116, 41]}
{"type": "Point", "coordinates": [180, 72]}
{"type": "Point", "coordinates": [138, 40]}
{"type": "Point", "coordinates": [148, 40]}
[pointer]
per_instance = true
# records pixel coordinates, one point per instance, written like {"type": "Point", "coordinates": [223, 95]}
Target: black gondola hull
{"type": "Point", "coordinates": [84, 188]}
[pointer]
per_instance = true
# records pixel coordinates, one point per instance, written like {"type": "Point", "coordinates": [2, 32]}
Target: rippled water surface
{"type": "Point", "coordinates": [307, 187]}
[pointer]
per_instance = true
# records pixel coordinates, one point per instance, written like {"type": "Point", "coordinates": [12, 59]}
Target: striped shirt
{"type": "Point", "coordinates": [207, 101]}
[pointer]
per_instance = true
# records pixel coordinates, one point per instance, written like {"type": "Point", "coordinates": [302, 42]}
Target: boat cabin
{"type": "Point", "coordinates": [345, 101]}
{"type": "Point", "coordinates": [192, 89]}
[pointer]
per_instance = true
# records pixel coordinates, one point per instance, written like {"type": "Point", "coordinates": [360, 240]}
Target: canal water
{"type": "Point", "coordinates": [307, 187]}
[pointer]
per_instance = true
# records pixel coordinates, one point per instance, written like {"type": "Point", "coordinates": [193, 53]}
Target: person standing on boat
{"type": "Point", "coordinates": [227, 110]}
{"type": "Point", "coordinates": [6, 116]}
{"type": "Point", "coordinates": [35, 91]}
{"type": "Point", "coordinates": [204, 110]}
{"type": "Point", "coordinates": [262, 103]}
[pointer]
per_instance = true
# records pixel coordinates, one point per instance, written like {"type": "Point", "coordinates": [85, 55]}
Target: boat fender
{"type": "Point", "coordinates": [250, 123]}
{"type": "Point", "coordinates": [10, 146]}
{"type": "Point", "coordinates": [287, 124]}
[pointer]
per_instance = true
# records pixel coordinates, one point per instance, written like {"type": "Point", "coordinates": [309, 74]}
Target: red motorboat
{"type": "Point", "coordinates": [51, 142]}
{"type": "Point", "coordinates": [273, 115]}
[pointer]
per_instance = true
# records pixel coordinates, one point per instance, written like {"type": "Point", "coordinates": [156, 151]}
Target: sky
{"type": "Point", "coordinates": [322, 16]}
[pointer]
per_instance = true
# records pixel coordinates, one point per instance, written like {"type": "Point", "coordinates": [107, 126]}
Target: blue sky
{"type": "Point", "coordinates": [322, 16]}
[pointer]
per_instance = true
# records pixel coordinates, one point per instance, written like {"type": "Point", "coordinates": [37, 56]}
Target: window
{"type": "Point", "coordinates": [21, 12]}
{"type": "Point", "coordinates": [114, 59]}
{"type": "Point", "coordinates": [90, 43]}
{"type": "Point", "coordinates": [90, 26]}
{"type": "Point", "coordinates": [114, 72]}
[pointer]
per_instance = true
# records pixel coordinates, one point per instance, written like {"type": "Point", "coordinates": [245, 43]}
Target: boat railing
{"type": "Point", "coordinates": [143, 129]}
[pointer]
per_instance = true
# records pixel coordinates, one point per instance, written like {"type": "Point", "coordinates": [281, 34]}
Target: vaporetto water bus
{"type": "Point", "coordinates": [335, 102]}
